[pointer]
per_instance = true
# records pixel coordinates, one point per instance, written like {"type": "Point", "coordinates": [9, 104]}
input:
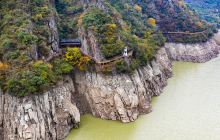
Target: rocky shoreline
{"type": "Point", "coordinates": [197, 53]}
{"type": "Point", "coordinates": [118, 97]}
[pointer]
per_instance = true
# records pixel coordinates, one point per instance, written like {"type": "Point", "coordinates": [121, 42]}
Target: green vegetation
{"type": "Point", "coordinates": [28, 81]}
{"type": "Point", "coordinates": [29, 33]}
{"type": "Point", "coordinates": [113, 37]}
{"type": "Point", "coordinates": [24, 29]}
{"type": "Point", "coordinates": [68, 11]}
{"type": "Point", "coordinates": [106, 31]}
{"type": "Point", "coordinates": [75, 58]}
{"type": "Point", "coordinates": [37, 77]}
{"type": "Point", "coordinates": [122, 67]}
{"type": "Point", "coordinates": [208, 10]}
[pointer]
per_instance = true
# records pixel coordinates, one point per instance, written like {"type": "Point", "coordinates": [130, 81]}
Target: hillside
{"type": "Point", "coordinates": [207, 9]}
{"type": "Point", "coordinates": [31, 60]}
{"type": "Point", "coordinates": [61, 59]}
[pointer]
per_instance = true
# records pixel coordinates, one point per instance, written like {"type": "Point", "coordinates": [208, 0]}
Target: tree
{"type": "Point", "coordinates": [80, 19]}
{"type": "Point", "coordinates": [151, 21]}
{"type": "Point", "coordinates": [137, 8]}
{"type": "Point", "coordinates": [36, 78]}
{"type": "Point", "coordinates": [3, 70]}
{"type": "Point", "coordinates": [3, 67]}
{"type": "Point", "coordinates": [83, 63]}
{"type": "Point", "coordinates": [60, 66]}
{"type": "Point", "coordinates": [122, 67]}
{"type": "Point", "coordinates": [75, 57]}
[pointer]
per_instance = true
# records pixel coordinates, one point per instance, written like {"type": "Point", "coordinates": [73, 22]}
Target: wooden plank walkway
{"type": "Point", "coordinates": [187, 33]}
{"type": "Point", "coordinates": [100, 64]}
{"type": "Point", "coordinates": [111, 60]}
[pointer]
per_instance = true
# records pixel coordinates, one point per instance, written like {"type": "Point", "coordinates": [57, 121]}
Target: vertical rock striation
{"type": "Point", "coordinates": [217, 37]}
{"type": "Point", "coordinates": [47, 116]}
{"type": "Point", "coordinates": [125, 97]}
{"type": "Point", "coordinates": [199, 53]}
{"type": "Point", "coordinates": [51, 115]}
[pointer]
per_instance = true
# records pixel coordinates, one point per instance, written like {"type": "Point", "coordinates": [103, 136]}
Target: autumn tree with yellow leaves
{"type": "Point", "coordinates": [75, 57]}
{"type": "Point", "coordinates": [151, 21]}
{"type": "Point", "coordinates": [3, 67]}
{"type": "Point", "coordinates": [137, 8]}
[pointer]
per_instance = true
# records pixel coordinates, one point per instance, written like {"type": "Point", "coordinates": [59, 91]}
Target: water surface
{"type": "Point", "coordinates": [189, 109]}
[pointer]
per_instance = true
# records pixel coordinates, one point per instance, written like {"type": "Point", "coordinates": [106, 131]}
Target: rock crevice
{"type": "Point", "coordinates": [53, 114]}
{"type": "Point", "coordinates": [47, 116]}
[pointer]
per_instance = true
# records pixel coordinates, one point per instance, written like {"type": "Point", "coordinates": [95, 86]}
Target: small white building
{"type": "Point", "coordinates": [125, 54]}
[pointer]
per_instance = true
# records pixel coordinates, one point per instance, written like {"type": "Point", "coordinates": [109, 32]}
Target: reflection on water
{"type": "Point", "coordinates": [189, 109]}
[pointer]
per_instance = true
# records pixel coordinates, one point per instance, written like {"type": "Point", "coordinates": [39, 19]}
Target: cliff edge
{"type": "Point", "coordinates": [117, 97]}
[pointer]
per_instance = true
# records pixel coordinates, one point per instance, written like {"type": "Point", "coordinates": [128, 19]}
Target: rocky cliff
{"type": "Point", "coordinates": [217, 37]}
{"type": "Point", "coordinates": [115, 97]}
{"type": "Point", "coordinates": [47, 116]}
{"type": "Point", "coordinates": [200, 52]}
{"type": "Point", "coordinates": [34, 36]}
{"type": "Point", "coordinates": [124, 97]}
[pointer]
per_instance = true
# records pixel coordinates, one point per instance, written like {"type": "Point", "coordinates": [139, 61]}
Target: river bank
{"type": "Point", "coordinates": [125, 97]}
{"type": "Point", "coordinates": [117, 97]}
{"type": "Point", "coordinates": [188, 109]}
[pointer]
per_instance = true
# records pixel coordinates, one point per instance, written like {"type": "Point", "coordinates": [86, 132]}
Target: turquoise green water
{"type": "Point", "coordinates": [189, 109]}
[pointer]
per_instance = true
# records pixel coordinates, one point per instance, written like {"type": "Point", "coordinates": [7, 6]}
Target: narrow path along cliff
{"type": "Point", "coordinates": [42, 92]}
{"type": "Point", "coordinates": [188, 109]}
{"type": "Point", "coordinates": [116, 97]}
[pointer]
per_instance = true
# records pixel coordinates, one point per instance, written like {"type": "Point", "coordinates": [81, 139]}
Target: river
{"type": "Point", "coordinates": [188, 109]}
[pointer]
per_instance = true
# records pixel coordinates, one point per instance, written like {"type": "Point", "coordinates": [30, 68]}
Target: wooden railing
{"type": "Point", "coordinates": [111, 60]}
{"type": "Point", "coordinates": [99, 64]}
{"type": "Point", "coordinates": [188, 37]}
{"type": "Point", "coordinates": [187, 33]}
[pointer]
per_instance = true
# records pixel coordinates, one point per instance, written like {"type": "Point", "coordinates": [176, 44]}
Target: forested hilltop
{"type": "Point", "coordinates": [31, 59]}
{"type": "Point", "coordinates": [207, 9]}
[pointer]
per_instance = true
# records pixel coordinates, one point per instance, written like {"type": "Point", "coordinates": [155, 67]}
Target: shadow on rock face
{"type": "Point", "coordinates": [217, 38]}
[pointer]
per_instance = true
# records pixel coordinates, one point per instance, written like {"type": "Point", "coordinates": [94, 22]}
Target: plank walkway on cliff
{"type": "Point", "coordinates": [187, 33]}
{"type": "Point", "coordinates": [103, 63]}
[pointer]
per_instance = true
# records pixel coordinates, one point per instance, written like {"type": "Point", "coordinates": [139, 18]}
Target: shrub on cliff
{"type": "Point", "coordinates": [60, 66]}
{"type": "Point", "coordinates": [95, 18]}
{"type": "Point", "coordinates": [28, 81]}
{"type": "Point", "coordinates": [105, 30]}
{"type": "Point", "coordinates": [76, 58]}
{"type": "Point", "coordinates": [122, 67]}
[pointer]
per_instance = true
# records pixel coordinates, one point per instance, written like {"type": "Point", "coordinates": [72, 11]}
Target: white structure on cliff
{"type": "Point", "coordinates": [125, 54]}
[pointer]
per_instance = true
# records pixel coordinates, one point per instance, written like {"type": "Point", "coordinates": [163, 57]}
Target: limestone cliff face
{"type": "Point", "coordinates": [51, 115]}
{"type": "Point", "coordinates": [199, 53]}
{"type": "Point", "coordinates": [47, 116]}
{"type": "Point", "coordinates": [124, 97]}
{"type": "Point", "coordinates": [217, 37]}
{"type": "Point", "coordinates": [90, 44]}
